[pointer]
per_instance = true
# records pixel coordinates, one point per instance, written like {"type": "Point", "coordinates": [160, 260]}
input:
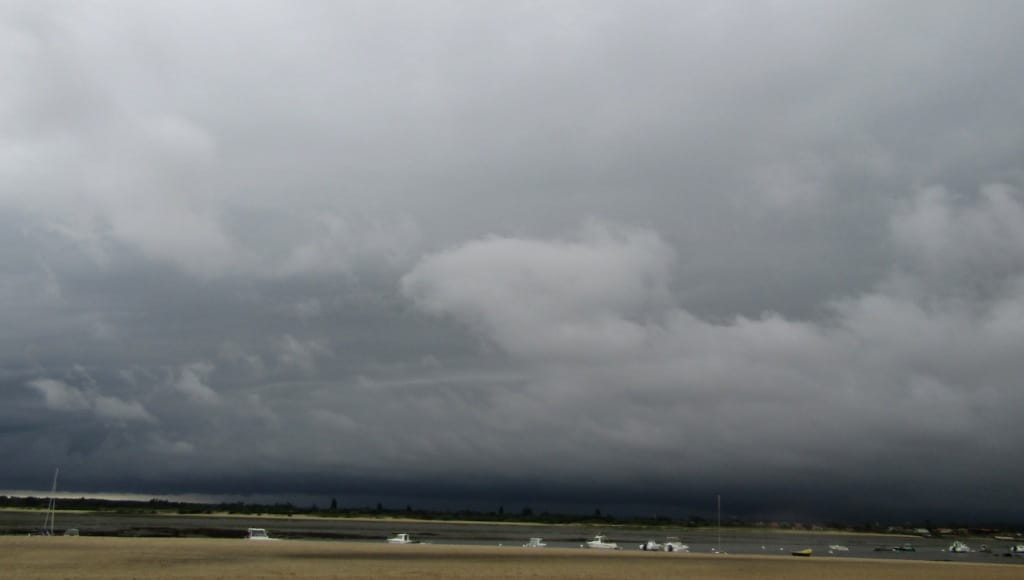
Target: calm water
{"type": "Point", "coordinates": [629, 538]}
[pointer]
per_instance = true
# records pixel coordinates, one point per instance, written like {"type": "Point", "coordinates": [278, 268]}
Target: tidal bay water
{"type": "Point", "coordinates": [700, 540]}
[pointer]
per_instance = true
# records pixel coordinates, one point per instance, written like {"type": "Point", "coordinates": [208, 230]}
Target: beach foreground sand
{"type": "Point", "coordinates": [86, 557]}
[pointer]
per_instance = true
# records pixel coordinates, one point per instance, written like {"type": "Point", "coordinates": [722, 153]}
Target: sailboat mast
{"type": "Point", "coordinates": [719, 498]}
{"type": "Point", "coordinates": [51, 506]}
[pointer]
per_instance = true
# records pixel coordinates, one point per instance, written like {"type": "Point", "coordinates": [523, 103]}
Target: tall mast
{"type": "Point", "coordinates": [719, 498]}
{"type": "Point", "coordinates": [51, 506]}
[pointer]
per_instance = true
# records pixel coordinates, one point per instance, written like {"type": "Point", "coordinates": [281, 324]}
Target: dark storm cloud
{"type": "Point", "coordinates": [563, 252]}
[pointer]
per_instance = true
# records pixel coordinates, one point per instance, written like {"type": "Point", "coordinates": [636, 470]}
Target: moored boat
{"type": "Point", "coordinates": [902, 548]}
{"type": "Point", "coordinates": [958, 547]}
{"type": "Point", "coordinates": [259, 534]}
{"type": "Point", "coordinates": [672, 544]}
{"type": "Point", "coordinates": [651, 546]}
{"type": "Point", "coordinates": [599, 543]}
{"type": "Point", "coordinates": [400, 539]}
{"type": "Point", "coordinates": [535, 543]}
{"type": "Point", "coordinates": [805, 553]}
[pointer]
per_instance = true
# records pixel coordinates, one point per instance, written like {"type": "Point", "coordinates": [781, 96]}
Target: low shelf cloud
{"type": "Point", "coordinates": [583, 254]}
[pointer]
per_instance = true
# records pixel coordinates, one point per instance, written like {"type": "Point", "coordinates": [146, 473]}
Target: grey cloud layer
{"type": "Point", "coordinates": [582, 247]}
{"type": "Point", "coordinates": [913, 379]}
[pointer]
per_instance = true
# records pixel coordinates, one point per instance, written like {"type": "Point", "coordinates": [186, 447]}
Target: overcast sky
{"type": "Point", "coordinates": [586, 254]}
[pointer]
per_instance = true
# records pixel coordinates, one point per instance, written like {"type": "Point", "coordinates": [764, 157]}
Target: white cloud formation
{"type": "Point", "coordinates": [590, 295]}
{"type": "Point", "coordinates": [192, 381]}
{"type": "Point", "coordinates": [60, 396]}
{"type": "Point", "coordinates": [115, 408]}
{"type": "Point", "coordinates": [964, 244]}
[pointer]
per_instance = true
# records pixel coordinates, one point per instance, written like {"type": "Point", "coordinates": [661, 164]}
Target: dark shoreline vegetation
{"type": "Point", "coordinates": [523, 516]}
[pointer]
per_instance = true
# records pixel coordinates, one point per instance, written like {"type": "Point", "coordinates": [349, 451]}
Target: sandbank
{"type": "Point", "coordinates": [101, 557]}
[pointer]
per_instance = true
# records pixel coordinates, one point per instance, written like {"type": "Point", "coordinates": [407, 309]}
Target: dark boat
{"type": "Point", "coordinates": [903, 548]}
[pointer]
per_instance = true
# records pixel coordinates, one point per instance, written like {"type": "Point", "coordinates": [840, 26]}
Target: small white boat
{"type": "Point", "coordinates": [651, 546]}
{"type": "Point", "coordinates": [838, 548]}
{"type": "Point", "coordinates": [672, 544]}
{"type": "Point", "coordinates": [535, 543]}
{"type": "Point", "coordinates": [400, 539]}
{"type": "Point", "coordinates": [259, 534]}
{"type": "Point", "coordinates": [1017, 550]}
{"type": "Point", "coordinates": [599, 543]}
{"type": "Point", "coordinates": [959, 547]}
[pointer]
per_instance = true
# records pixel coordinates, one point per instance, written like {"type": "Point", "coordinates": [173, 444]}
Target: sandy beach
{"type": "Point", "coordinates": [86, 557]}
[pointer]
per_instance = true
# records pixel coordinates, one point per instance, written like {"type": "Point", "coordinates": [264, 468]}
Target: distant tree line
{"type": "Point", "coordinates": [154, 506]}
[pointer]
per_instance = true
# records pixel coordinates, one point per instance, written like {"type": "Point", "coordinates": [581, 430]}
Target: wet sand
{"type": "Point", "coordinates": [88, 557]}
